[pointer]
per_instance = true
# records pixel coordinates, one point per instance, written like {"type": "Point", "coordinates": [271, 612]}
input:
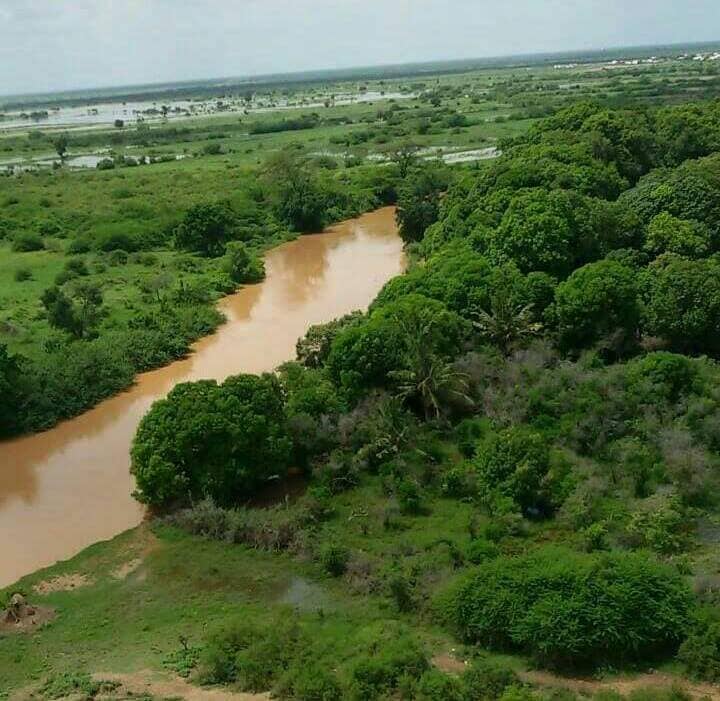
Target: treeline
{"type": "Point", "coordinates": [551, 363]}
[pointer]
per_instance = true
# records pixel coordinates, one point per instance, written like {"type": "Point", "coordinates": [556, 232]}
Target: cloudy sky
{"type": "Point", "coordinates": [61, 44]}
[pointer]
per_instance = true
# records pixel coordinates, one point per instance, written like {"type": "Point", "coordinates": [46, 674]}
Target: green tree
{"type": "Point", "coordinates": [668, 234]}
{"type": "Point", "coordinates": [80, 314]}
{"type": "Point", "coordinates": [213, 440]}
{"type": "Point", "coordinates": [365, 354]}
{"type": "Point", "coordinates": [418, 204]}
{"type": "Point", "coordinates": [513, 463]}
{"type": "Point", "coordinates": [683, 303]}
{"type": "Point", "coordinates": [241, 265]}
{"type": "Point", "coordinates": [596, 301]}
{"type": "Point", "coordinates": [298, 196]}
{"type": "Point", "coordinates": [10, 391]}
{"type": "Point", "coordinates": [61, 145]}
{"type": "Point", "coordinates": [536, 233]}
{"type": "Point", "coordinates": [206, 229]}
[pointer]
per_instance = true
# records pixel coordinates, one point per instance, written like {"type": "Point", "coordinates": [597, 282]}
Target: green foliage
{"type": "Point", "coordinates": [248, 655]}
{"type": "Point", "coordinates": [668, 234]}
{"type": "Point", "coordinates": [700, 652]}
{"type": "Point", "coordinates": [308, 680]}
{"type": "Point", "coordinates": [298, 195]}
{"type": "Point", "coordinates": [386, 662]}
{"type": "Point", "coordinates": [573, 610]}
{"type": "Point", "coordinates": [214, 440]}
{"type": "Point", "coordinates": [241, 266]}
{"type": "Point", "coordinates": [434, 685]}
{"type": "Point", "coordinates": [27, 242]}
{"type": "Point", "coordinates": [418, 203]}
{"type": "Point", "coordinates": [79, 685]}
{"type": "Point", "coordinates": [314, 347]}
{"type": "Point", "coordinates": [597, 301]}
{"type": "Point", "coordinates": [365, 354]}
{"type": "Point", "coordinates": [205, 229]}
{"type": "Point", "coordinates": [334, 559]}
{"type": "Point", "coordinates": [79, 315]}
{"type": "Point", "coordinates": [486, 679]}
{"type": "Point", "coordinates": [513, 463]}
{"type": "Point", "coordinates": [683, 303]}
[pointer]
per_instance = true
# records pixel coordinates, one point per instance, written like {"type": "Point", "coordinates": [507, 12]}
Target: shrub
{"type": "Point", "coordinates": [573, 610]}
{"type": "Point", "coordinates": [27, 242]}
{"type": "Point", "coordinates": [206, 228]}
{"type": "Point", "coordinates": [513, 463]}
{"type": "Point", "coordinates": [241, 266]}
{"type": "Point", "coordinates": [434, 685]}
{"type": "Point", "coordinates": [249, 655]}
{"type": "Point", "coordinates": [700, 653]}
{"type": "Point", "coordinates": [661, 524]}
{"type": "Point", "coordinates": [661, 376]}
{"type": "Point", "coordinates": [23, 275]}
{"type": "Point", "coordinates": [683, 303]}
{"type": "Point", "coordinates": [379, 671]}
{"type": "Point", "coordinates": [307, 680]}
{"type": "Point", "coordinates": [213, 440]}
{"type": "Point", "coordinates": [486, 679]}
{"type": "Point", "coordinates": [668, 234]}
{"type": "Point", "coordinates": [480, 550]}
{"type": "Point", "coordinates": [334, 559]}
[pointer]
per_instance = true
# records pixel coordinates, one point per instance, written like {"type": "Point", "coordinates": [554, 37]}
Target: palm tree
{"type": "Point", "coordinates": [508, 323]}
{"type": "Point", "coordinates": [427, 375]}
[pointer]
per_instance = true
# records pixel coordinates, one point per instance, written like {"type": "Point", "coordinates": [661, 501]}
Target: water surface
{"type": "Point", "coordinates": [68, 487]}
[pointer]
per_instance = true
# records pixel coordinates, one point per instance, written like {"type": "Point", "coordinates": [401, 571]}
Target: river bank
{"type": "Point", "coordinates": [69, 487]}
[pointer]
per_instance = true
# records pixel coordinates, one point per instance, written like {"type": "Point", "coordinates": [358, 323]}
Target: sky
{"type": "Point", "coordinates": [63, 44]}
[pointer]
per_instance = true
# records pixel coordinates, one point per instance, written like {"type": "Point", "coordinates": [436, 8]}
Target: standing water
{"type": "Point", "coordinates": [68, 487]}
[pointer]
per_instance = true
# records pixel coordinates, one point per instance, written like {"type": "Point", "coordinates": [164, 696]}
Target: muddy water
{"type": "Point", "coordinates": [69, 487]}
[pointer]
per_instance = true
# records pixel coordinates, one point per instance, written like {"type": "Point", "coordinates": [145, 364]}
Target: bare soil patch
{"type": "Point", "coordinates": [623, 686]}
{"type": "Point", "coordinates": [165, 687]}
{"type": "Point", "coordinates": [63, 582]}
{"type": "Point", "coordinates": [23, 617]}
{"type": "Point", "coordinates": [127, 568]}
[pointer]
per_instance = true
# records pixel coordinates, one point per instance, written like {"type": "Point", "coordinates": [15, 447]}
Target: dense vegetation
{"type": "Point", "coordinates": [510, 459]}
{"type": "Point", "coordinates": [548, 361]}
{"type": "Point", "coordinates": [132, 295]}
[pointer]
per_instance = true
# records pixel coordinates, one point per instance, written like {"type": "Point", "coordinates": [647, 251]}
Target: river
{"type": "Point", "coordinates": [69, 487]}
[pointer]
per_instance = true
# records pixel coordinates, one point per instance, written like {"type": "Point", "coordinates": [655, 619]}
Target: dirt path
{"type": "Point", "coordinates": [446, 662]}
{"type": "Point", "coordinates": [623, 686]}
{"type": "Point", "coordinates": [164, 687]}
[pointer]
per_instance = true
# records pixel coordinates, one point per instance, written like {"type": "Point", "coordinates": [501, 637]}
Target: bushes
{"type": "Point", "coordinates": [214, 440]}
{"type": "Point", "coordinates": [251, 656]}
{"type": "Point", "coordinates": [573, 610]}
{"type": "Point", "coordinates": [700, 653]}
{"type": "Point", "coordinates": [513, 464]}
{"type": "Point", "coordinates": [27, 242]}
{"type": "Point", "coordinates": [205, 229]}
{"type": "Point", "coordinates": [334, 559]}
{"type": "Point", "coordinates": [382, 668]}
{"type": "Point", "coordinates": [241, 266]}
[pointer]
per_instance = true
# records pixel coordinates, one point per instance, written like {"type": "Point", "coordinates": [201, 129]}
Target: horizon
{"type": "Point", "coordinates": [322, 72]}
{"type": "Point", "coordinates": [50, 46]}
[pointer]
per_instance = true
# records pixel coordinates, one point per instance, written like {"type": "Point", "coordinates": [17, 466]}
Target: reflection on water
{"type": "Point", "coordinates": [69, 487]}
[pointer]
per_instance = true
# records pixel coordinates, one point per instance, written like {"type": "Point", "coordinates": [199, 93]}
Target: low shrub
{"type": "Point", "coordinates": [572, 609]}
{"type": "Point", "coordinates": [27, 242]}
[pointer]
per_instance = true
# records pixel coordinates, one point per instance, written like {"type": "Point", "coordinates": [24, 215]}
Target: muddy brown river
{"type": "Point", "coordinates": [68, 487]}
